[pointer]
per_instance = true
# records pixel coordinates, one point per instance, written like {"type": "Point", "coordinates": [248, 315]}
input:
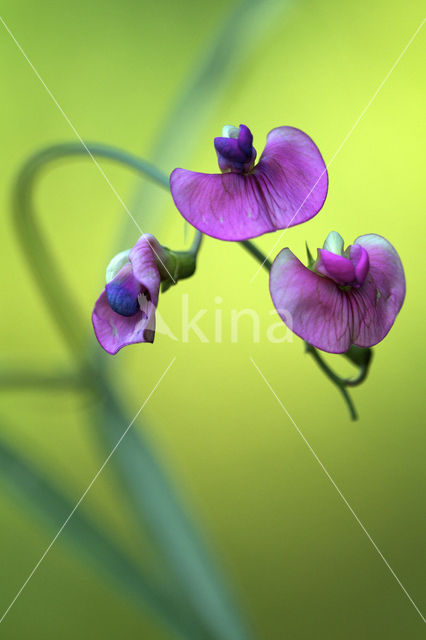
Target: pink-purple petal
{"type": "Point", "coordinates": [360, 261]}
{"type": "Point", "coordinates": [145, 257]}
{"type": "Point", "coordinates": [339, 268]}
{"type": "Point", "coordinates": [383, 290]}
{"type": "Point", "coordinates": [287, 187]}
{"type": "Point", "coordinates": [139, 280]}
{"type": "Point", "coordinates": [245, 139]}
{"type": "Point", "coordinates": [332, 319]}
{"type": "Point", "coordinates": [312, 306]}
{"type": "Point", "coordinates": [115, 331]}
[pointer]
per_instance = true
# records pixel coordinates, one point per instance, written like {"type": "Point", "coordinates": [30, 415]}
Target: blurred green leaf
{"type": "Point", "coordinates": [159, 509]}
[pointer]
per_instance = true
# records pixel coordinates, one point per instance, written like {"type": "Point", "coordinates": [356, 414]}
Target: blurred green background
{"type": "Point", "coordinates": [297, 562]}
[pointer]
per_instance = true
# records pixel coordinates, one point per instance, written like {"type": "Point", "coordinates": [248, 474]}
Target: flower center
{"type": "Point", "coordinates": [347, 268]}
{"type": "Point", "coordinates": [235, 151]}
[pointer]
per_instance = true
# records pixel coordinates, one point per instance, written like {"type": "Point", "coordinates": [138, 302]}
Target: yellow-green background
{"type": "Point", "coordinates": [300, 564]}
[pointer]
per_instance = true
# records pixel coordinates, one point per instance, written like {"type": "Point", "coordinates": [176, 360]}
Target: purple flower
{"type": "Point", "coordinates": [346, 297]}
{"type": "Point", "coordinates": [287, 186]}
{"type": "Point", "coordinates": [125, 311]}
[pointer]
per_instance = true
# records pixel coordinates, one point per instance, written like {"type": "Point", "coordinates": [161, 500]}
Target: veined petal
{"type": "Point", "coordinates": [287, 187]}
{"type": "Point", "coordinates": [147, 258]}
{"type": "Point", "coordinates": [382, 294]}
{"type": "Point", "coordinates": [313, 307]}
{"type": "Point", "coordinates": [331, 319]}
{"type": "Point", "coordinates": [115, 331]}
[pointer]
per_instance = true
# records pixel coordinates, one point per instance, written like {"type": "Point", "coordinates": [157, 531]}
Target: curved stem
{"type": "Point", "coordinates": [44, 267]}
{"type": "Point", "coordinates": [90, 150]}
{"type": "Point", "coordinates": [354, 382]}
{"type": "Point", "coordinates": [345, 382]}
{"type": "Point", "coordinates": [333, 377]}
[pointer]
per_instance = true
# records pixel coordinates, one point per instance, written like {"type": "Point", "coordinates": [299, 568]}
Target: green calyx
{"type": "Point", "coordinates": [179, 264]}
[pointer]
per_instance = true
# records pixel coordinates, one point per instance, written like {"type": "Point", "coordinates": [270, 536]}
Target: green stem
{"type": "Point", "coordinates": [98, 150]}
{"type": "Point", "coordinates": [334, 379]}
{"type": "Point", "coordinates": [256, 253]}
{"type": "Point", "coordinates": [340, 383]}
{"type": "Point", "coordinates": [354, 382]}
{"type": "Point", "coordinates": [196, 243]}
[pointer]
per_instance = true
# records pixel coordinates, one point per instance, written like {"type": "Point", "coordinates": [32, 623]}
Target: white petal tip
{"type": "Point", "coordinates": [229, 131]}
{"type": "Point", "coordinates": [116, 264]}
{"type": "Point", "coordinates": [334, 243]}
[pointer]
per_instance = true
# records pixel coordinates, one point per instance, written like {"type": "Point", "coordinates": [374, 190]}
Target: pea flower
{"type": "Point", "coordinates": [125, 311]}
{"type": "Point", "coordinates": [286, 187]}
{"type": "Point", "coordinates": [346, 298]}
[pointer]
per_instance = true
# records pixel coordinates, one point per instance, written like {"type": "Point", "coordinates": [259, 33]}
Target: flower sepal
{"type": "Point", "coordinates": [180, 265]}
{"type": "Point", "coordinates": [359, 356]}
{"type": "Point", "coordinates": [311, 260]}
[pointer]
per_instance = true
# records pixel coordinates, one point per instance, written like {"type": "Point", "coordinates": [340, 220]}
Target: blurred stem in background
{"type": "Point", "coordinates": [20, 378]}
{"type": "Point", "coordinates": [27, 484]}
{"type": "Point", "coordinates": [151, 495]}
{"type": "Point", "coordinates": [47, 271]}
{"type": "Point", "coordinates": [145, 484]}
{"type": "Point", "coordinates": [217, 64]}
